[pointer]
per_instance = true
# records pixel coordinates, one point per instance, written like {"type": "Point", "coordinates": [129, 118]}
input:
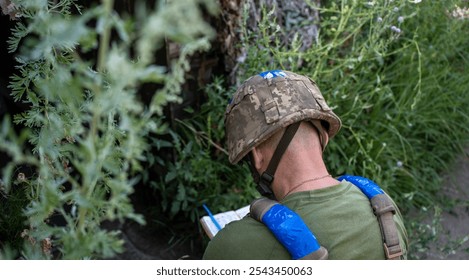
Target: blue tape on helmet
{"type": "Point", "coordinates": [368, 187]}
{"type": "Point", "coordinates": [272, 74]}
{"type": "Point", "coordinates": [290, 231]}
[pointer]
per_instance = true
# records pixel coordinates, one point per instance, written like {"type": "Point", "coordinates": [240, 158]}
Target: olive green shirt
{"type": "Point", "coordinates": [340, 217]}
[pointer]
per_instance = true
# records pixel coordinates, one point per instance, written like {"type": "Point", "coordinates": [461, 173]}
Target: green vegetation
{"type": "Point", "coordinates": [394, 71]}
{"type": "Point", "coordinates": [86, 124]}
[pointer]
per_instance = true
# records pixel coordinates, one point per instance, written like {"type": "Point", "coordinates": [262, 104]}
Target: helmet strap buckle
{"type": "Point", "coordinates": [263, 186]}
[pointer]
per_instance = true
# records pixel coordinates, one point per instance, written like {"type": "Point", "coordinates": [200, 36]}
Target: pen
{"type": "Point", "coordinates": [211, 217]}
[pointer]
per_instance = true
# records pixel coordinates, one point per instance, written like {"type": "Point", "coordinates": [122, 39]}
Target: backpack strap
{"type": "Point", "coordinates": [384, 210]}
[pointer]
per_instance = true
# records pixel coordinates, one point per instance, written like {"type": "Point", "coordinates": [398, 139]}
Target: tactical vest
{"type": "Point", "coordinates": [297, 238]}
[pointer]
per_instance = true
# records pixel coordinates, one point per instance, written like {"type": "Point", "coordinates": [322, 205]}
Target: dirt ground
{"type": "Point", "coordinates": [455, 220]}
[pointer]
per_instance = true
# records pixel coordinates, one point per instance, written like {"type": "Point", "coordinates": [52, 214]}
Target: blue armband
{"type": "Point", "coordinates": [368, 187]}
{"type": "Point", "coordinates": [290, 231]}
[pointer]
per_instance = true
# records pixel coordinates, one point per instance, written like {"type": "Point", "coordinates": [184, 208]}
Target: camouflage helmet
{"type": "Point", "coordinates": [270, 101]}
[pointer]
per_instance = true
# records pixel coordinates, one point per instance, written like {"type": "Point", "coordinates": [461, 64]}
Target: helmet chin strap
{"type": "Point", "coordinates": [265, 180]}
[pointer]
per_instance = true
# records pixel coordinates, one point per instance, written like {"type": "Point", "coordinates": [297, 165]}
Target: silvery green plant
{"type": "Point", "coordinates": [86, 124]}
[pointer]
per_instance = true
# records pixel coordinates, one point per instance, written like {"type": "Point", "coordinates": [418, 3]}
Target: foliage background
{"type": "Point", "coordinates": [394, 71]}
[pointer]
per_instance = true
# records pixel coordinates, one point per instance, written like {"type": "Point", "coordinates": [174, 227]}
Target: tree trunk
{"type": "Point", "coordinates": [293, 17]}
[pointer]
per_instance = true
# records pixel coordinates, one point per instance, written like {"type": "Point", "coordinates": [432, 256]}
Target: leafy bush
{"type": "Point", "coordinates": [201, 172]}
{"type": "Point", "coordinates": [86, 123]}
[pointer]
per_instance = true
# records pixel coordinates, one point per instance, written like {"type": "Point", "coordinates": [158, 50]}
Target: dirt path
{"type": "Point", "coordinates": [453, 238]}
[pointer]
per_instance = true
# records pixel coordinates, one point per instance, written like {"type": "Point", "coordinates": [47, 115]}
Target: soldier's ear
{"type": "Point", "coordinates": [321, 132]}
{"type": "Point", "coordinates": [326, 139]}
{"type": "Point", "coordinates": [258, 158]}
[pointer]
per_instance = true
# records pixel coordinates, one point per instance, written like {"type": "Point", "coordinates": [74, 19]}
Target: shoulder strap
{"type": "Point", "coordinates": [384, 210]}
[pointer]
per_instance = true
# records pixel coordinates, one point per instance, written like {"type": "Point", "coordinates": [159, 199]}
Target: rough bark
{"type": "Point", "coordinates": [293, 17]}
